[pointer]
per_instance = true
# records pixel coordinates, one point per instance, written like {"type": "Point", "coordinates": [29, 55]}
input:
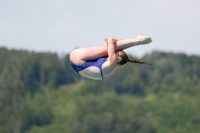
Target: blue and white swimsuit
{"type": "Point", "coordinates": [97, 62]}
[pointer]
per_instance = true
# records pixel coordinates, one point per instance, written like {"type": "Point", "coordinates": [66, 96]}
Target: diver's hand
{"type": "Point", "coordinates": [110, 39]}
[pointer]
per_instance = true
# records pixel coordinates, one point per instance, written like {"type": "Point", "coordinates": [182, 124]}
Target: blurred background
{"type": "Point", "coordinates": [40, 93]}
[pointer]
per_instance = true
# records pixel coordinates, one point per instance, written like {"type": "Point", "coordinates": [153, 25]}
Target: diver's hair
{"type": "Point", "coordinates": [125, 59]}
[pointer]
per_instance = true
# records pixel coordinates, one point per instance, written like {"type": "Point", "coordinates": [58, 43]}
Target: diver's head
{"type": "Point", "coordinates": [122, 57]}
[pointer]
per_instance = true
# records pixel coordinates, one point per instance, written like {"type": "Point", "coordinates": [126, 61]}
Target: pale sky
{"type": "Point", "coordinates": [61, 25]}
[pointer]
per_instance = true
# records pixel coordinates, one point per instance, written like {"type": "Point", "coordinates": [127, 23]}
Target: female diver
{"type": "Point", "coordinates": [98, 63]}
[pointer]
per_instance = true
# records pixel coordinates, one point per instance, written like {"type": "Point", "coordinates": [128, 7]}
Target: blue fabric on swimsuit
{"type": "Point", "coordinates": [98, 63]}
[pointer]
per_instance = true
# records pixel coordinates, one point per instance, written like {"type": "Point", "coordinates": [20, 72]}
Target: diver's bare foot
{"type": "Point", "coordinates": [144, 39]}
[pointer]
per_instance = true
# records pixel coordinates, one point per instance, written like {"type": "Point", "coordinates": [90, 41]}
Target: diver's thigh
{"type": "Point", "coordinates": [79, 56]}
{"type": "Point", "coordinates": [92, 53]}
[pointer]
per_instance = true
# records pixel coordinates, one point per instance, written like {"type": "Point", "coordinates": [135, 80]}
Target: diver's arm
{"type": "Point", "coordinates": [111, 49]}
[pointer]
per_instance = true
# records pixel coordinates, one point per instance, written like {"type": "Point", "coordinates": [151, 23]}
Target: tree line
{"type": "Point", "coordinates": [40, 92]}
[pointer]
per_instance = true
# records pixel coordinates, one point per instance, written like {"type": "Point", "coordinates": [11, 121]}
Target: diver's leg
{"type": "Point", "coordinates": [79, 56]}
{"type": "Point", "coordinates": [127, 43]}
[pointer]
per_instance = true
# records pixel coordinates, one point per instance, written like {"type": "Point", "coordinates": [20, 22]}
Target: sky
{"type": "Point", "coordinates": [62, 25]}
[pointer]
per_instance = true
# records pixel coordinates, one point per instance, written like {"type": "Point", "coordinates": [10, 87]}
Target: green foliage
{"type": "Point", "coordinates": [40, 93]}
{"type": "Point", "coordinates": [75, 113]}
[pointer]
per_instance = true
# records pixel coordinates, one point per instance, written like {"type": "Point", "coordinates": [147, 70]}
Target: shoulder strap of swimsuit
{"type": "Point", "coordinates": [107, 75]}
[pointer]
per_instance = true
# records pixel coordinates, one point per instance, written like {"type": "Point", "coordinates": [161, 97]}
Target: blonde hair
{"type": "Point", "coordinates": [125, 59]}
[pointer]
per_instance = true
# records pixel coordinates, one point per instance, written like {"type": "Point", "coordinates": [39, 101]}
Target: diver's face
{"type": "Point", "coordinates": [118, 57]}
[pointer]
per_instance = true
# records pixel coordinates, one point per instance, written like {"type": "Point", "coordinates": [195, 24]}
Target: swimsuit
{"type": "Point", "coordinates": [97, 62]}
